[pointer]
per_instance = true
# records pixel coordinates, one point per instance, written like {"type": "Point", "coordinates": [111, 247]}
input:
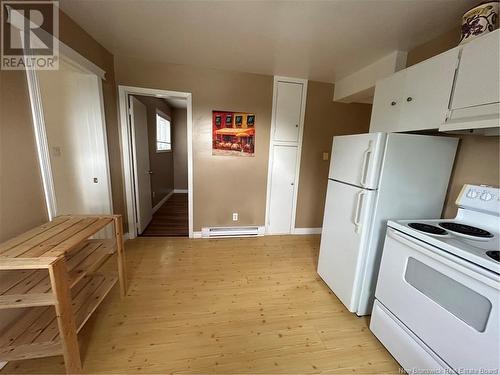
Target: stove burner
{"type": "Point", "coordinates": [466, 229]}
{"type": "Point", "coordinates": [428, 228]}
{"type": "Point", "coordinates": [494, 254]}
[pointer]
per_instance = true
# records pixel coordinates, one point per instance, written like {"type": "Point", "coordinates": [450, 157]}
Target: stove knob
{"type": "Point", "coordinates": [472, 194]}
{"type": "Point", "coordinates": [486, 196]}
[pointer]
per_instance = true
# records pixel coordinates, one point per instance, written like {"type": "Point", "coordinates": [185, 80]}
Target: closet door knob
{"type": "Point", "coordinates": [409, 99]}
{"type": "Point", "coordinates": [393, 103]}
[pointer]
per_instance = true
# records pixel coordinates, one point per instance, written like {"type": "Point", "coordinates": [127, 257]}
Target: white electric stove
{"type": "Point", "coordinates": [472, 235]}
{"type": "Point", "coordinates": [437, 301]}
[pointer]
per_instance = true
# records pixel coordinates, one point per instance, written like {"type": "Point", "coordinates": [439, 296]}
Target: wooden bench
{"type": "Point", "coordinates": [52, 273]}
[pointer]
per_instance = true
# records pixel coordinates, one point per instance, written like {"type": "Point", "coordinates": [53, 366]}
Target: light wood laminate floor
{"type": "Point", "coordinates": [253, 305]}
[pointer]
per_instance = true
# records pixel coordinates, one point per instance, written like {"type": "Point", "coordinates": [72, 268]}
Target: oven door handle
{"type": "Point", "coordinates": [473, 271]}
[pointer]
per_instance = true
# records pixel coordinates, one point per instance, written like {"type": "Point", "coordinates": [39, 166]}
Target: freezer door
{"type": "Point", "coordinates": [356, 159]}
{"type": "Point", "coordinates": [348, 211]}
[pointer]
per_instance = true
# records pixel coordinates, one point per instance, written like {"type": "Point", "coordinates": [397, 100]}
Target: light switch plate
{"type": "Point", "coordinates": [325, 156]}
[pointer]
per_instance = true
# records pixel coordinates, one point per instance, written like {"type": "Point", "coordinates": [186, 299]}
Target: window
{"type": "Point", "coordinates": [163, 140]}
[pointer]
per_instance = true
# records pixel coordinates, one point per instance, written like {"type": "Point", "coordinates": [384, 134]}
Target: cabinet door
{"type": "Point", "coordinates": [428, 87]}
{"type": "Point", "coordinates": [282, 189]}
{"type": "Point", "coordinates": [478, 73]}
{"type": "Point", "coordinates": [288, 111]}
{"type": "Point", "coordinates": [387, 103]}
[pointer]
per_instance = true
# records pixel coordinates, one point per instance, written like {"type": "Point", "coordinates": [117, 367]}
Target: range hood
{"type": "Point", "coordinates": [483, 119]}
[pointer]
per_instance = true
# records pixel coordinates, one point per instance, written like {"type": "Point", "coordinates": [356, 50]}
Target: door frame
{"type": "Point", "coordinates": [297, 144]}
{"type": "Point", "coordinates": [127, 155]}
{"type": "Point", "coordinates": [70, 56]}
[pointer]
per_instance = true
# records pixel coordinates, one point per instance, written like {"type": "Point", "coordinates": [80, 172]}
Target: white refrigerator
{"type": "Point", "coordinates": [373, 178]}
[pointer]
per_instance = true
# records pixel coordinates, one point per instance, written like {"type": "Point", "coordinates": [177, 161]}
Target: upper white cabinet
{"type": "Point", "coordinates": [478, 78]}
{"type": "Point", "coordinates": [288, 111]}
{"type": "Point", "coordinates": [387, 103]}
{"type": "Point", "coordinates": [416, 98]}
{"type": "Point", "coordinates": [476, 94]}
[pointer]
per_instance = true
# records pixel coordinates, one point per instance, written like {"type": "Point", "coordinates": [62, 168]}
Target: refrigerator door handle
{"type": "Point", "coordinates": [364, 164]}
{"type": "Point", "coordinates": [357, 211]}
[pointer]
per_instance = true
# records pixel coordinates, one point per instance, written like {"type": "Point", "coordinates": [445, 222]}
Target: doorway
{"type": "Point", "coordinates": [156, 130]}
{"type": "Point", "coordinates": [68, 115]}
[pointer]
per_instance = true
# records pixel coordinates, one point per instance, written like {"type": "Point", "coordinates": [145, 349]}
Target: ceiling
{"type": "Point", "coordinates": [319, 40]}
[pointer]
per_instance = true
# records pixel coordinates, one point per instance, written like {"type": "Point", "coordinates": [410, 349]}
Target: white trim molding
{"type": "Point", "coordinates": [307, 231]}
{"type": "Point", "coordinates": [297, 144]}
{"type": "Point", "coordinates": [127, 157]}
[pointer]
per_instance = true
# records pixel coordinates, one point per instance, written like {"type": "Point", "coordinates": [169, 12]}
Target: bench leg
{"type": "Point", "coordinates": [122, 270]}
{"type": "Point", "coordinates": [59, 281]}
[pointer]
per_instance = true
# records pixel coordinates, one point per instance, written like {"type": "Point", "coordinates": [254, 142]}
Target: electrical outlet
{"type": "Point", "coordinates": [235, 216]}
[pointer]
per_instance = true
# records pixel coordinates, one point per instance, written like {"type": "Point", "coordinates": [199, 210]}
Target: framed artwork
{"type": "Point", "coordinates": [233, 133]}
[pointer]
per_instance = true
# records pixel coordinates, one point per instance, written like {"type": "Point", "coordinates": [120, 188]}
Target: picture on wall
{"type": "Point", "coordinates": [233, 133]}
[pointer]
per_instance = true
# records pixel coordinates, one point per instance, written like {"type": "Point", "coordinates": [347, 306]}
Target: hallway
{"type": "Point", "coordinates": [171, 220]}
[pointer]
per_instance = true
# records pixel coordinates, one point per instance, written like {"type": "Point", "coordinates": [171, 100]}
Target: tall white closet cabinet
{"type": "Point", "coordinates": [289, 103]}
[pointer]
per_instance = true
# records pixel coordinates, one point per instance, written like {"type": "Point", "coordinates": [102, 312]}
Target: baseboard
{"type": "Point", "coordinates": [306, 231]}
{"type": "Point", "coordinates": [299, 231]}
{"type": "Point", "coordinates": [163, 200]}
{"type": "Point", "coordinates": [260, 230]}
{"type": "Point", "coordinates": [181, 191]}
{"type": "Point", "coordinates": [3, 364]}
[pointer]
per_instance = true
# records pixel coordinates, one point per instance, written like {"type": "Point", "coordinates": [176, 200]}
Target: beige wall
{"type": "Point", "coordinates": [324, 119]}
{"type": "Point", "coordinates": [180, 149]}
{"type": "Point", "coordinates": [22, 202]}
{"type": "Point", "coordinates": [477, 160]}
{"type": "Point", "coordinates": [222, 185]}
{"type": "Point", "coordinates": [160, 163]}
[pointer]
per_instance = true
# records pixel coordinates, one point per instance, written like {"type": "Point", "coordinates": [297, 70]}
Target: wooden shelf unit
{"type": "Point", "coordinates": [51, 271]}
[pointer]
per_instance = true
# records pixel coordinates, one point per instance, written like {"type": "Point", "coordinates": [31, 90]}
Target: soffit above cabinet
{"type": "Point", "coordinates": [359, 87]}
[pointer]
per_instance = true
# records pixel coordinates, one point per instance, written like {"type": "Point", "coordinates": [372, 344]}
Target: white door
{"type": "Point", "coordinates": [76, 140]}
{"type": "Point", "coordinates": [345, 230]}
{"type": "Point", "coordinates": [356, 159]}
{"type": "Point", "coordinates": [288, 111]}
{"type": "Point", "coordinates": [427, 92]}
{"type": "Point", "coordinates": [140, 145]}
{"type": "Point", "coordinates": [282, 189]}
{"type": "Point", "coordinates": [478, 73]}
{"type": "Point", "coordinates": [387, 103]}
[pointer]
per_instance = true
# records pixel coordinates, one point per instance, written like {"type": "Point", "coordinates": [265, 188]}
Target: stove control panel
{"type": "Point", "coordinates": [480, 198]}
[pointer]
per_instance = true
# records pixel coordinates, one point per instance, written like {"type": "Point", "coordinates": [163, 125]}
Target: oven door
{"type": "Point", "coordinates": [450, 304]}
